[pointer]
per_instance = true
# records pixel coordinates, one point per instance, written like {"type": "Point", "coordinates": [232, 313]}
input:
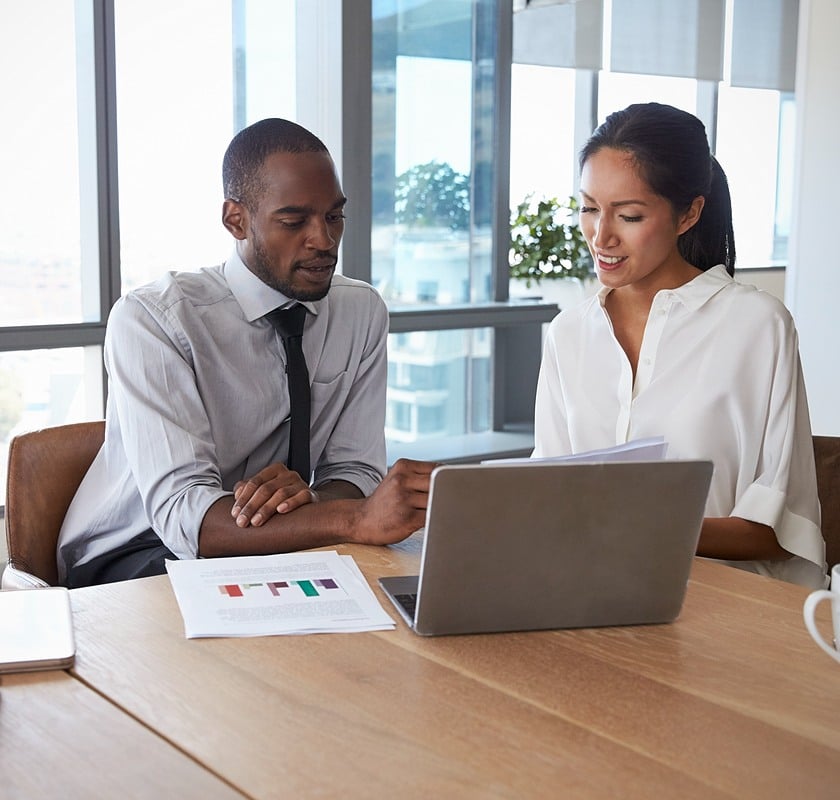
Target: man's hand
{"type": "Point", "coordinates": [273, 490]}
{"type": "Point", "coordinates": [397, 507]}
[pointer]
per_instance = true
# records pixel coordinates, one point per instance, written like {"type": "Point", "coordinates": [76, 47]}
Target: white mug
{"type": "Point", "coordinates": [811, 603]}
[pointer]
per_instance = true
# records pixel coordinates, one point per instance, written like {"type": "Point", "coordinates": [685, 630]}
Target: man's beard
{"type": "Point", "coordinates": [261, 267]}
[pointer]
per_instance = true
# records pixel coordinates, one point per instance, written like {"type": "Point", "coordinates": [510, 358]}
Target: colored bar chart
{"type": "Point", "coordinates": [309, 587]}
{"type": "Point", "coordinates": [237, 589]}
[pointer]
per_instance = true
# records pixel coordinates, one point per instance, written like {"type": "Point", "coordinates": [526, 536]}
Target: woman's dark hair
{"type": "Point", "coordinates": [671, 152]}
{"type": "Point", "coordinates": [250, 147]}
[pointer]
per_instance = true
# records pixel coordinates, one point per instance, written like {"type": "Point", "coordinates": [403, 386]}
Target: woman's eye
{"type": "Point", "coordinates": [632, 219]}
{"type": "Point", "coordinates": [586, 209]}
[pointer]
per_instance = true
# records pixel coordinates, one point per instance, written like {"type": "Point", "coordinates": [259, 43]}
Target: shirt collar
{"type": "Point", "coordinates": [693, 294]}
{"type": "Point", "coordinates": [255, 297]}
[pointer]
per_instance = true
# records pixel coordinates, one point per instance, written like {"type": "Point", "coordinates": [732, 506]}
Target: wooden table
{"type": "Point", "coordinates": [59, 739]}
{"type": "Point", "coordinates": [731, 700]}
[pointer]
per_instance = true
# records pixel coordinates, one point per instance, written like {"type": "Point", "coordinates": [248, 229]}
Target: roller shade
{"type": "Point", "coordinates": [764, 44]}
{"type": "Point", "coordinates": [559, 34]}
{"type": "Point", "coordinates": [680, 38]}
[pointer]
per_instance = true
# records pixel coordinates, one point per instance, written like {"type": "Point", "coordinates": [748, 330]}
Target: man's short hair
{"type": "Point", "coordinates": [250, 147]}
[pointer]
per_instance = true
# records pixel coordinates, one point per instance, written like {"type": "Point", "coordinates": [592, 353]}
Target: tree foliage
{"type": "Point", "coordinates": [547, 242]}
{"type": "Point", "coordinates": [433, 195]}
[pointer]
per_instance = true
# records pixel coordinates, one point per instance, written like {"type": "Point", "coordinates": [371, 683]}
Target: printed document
{"type": "Point", "coordinates": [309, 592]}
{"type": "Point", "coordinates": [652, 448]}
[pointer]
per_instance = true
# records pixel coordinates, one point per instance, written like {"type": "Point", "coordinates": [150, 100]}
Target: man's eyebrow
{"type": "Point", "coordinates": [308, 209]}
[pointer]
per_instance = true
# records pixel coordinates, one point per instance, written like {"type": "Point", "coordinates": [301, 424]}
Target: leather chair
{"type": "Point", "coordinates": [45, 469]}
{"type": "Point", "coordinates": [827, 458]}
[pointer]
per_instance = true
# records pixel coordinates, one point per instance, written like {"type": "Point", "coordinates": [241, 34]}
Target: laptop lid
{"type": "Point", "coordinates": [557, 545]}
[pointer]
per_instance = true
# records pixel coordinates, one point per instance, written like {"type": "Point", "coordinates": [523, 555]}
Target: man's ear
{"type": "Point", "coordinates": [689, 219]}
{"type": "Point", "coordinates": [235, 218]}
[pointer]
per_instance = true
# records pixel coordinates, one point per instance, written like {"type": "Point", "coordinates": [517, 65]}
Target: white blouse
{"type": "Point", "coordinates": [719, 377]}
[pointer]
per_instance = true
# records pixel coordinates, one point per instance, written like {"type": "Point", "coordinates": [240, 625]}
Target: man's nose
{"type": "Point", "coordinates": [320, 237]}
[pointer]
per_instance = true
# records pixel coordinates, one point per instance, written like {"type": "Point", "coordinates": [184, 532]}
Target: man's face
{"type": "Point", "coordinates": [290, 238]}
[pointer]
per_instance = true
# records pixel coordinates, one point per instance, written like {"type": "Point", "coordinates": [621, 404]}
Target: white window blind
{"type": "Point", "coordinates": [764, 44]}
{"type": "Point", "coordinates": [678, 38]}
{"type": "Point", "coordinates": [563, 34]}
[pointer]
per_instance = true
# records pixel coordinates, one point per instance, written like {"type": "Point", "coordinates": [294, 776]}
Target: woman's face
{"type": "Point", "coordinates": [631, 231]}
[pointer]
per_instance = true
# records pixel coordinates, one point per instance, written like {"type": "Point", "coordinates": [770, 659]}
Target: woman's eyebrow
{"type": "Point", "coordinates": [615, 203]}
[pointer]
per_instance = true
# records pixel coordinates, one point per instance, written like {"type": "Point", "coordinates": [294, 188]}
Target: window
{"type": "Point", "coordinates": [75, 244]}
{"type": "Point", "coordinates": [756, 151]}
{"type": "Point", "coordinates": [116, 176]}
{"type": "Point", "coordinates": [542, 143]}
{"type": "Point", "coordinates": [40, 250]}
{"type": "Point", "coordinates": [122, 112]}
{"type": "Point", "coordinates": [439, 218]}
{"type": "Point", "coordinates": [51, 316]}
{"type": "Point", "coordinates": [727, 61]}
{"type": "Point", "coordinates": [217, 67]}
{"type": "Point", "coordinates": [439, 384]}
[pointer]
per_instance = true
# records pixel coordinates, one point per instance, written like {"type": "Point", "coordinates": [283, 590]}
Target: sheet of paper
{"type": "Point", "coordinates": [653, 448]}
{"type": "Point", "coordinates": [311, 592]}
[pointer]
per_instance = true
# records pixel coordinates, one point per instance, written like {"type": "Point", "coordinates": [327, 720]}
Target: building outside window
{"type": "Point", "coordinates": [433, 107]}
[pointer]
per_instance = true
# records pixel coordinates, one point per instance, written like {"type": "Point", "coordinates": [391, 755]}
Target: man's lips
{"type": "Point", "coordinates": [317, 267]}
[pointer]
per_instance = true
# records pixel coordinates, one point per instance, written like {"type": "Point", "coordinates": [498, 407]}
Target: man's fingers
{"type": "Point", "coordinates": [296, 501]}
{"type": "Point", "coordinates": [282, 500]}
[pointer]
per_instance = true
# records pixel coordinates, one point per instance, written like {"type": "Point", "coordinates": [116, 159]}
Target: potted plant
{"type": "Point", "coordinates": [547, 244]}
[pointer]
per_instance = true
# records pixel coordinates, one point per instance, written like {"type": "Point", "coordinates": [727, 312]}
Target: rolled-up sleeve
{"type": "Point", "coordinates": [163, 423]}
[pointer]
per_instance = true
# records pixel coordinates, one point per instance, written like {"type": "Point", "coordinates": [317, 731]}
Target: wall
{"type": "Point", "coordinates": [771, 279]}
{"type": "Point", "coordinates": [811, 283]}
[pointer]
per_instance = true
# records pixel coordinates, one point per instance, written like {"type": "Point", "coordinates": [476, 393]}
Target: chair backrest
{"type": "Point", "coordinates": [45, 469]}
{"type": "Point", "coordinates": [827, 458]}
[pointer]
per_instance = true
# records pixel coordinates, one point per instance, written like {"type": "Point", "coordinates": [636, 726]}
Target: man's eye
{"type": "Point", "coordinates": [292, 223]}
{"type": "Point", "coordinates": [335, 217]}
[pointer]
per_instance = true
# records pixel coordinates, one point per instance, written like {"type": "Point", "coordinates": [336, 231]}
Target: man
{"type": "Point", "coordinates": [199, 412]}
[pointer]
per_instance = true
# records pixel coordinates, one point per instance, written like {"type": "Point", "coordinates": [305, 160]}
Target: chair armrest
{"type": "Point", "coordinates": [18, 579]}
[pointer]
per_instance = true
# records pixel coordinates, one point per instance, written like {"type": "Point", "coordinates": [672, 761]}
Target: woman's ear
{"type": "Point", "coordinates": [689, 219]}
{"type": "Point", "coordinates": [235, 218]}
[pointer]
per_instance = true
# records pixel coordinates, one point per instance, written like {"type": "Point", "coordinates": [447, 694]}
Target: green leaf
{"type": "Point", "coordinates": [546, 241]}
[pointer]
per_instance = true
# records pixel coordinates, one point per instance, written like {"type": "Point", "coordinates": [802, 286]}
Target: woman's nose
{"type": "Point", "coordinates": [604, 235]}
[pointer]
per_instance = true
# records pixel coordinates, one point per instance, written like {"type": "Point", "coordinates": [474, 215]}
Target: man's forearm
{"type": "Point", "coordinates": [395, 510]}
{"type": "Point", "coordinates": [338, 490]}
{"type": "Point", "coordinates": [313, 525]}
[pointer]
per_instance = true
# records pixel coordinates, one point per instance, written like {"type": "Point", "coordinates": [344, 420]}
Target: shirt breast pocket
{"type": "Point", "coordinates": [328, 396]}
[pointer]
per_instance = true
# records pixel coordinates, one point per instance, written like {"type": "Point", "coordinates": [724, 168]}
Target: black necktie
{"type": "Point", "coordinates": [289, 324]}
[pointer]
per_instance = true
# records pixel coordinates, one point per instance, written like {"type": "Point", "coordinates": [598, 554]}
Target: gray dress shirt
{"type": "Point", "coordinates": [198, 400]}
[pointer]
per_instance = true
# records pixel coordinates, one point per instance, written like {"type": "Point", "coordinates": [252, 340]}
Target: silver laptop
{"type": "Point", "coordinates": [554, 545]}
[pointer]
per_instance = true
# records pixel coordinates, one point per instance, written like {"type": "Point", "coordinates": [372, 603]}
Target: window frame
{"type": "Point", "coordinates": [334, 95]}
{"type": "Point", "coordinates": [342, 105]}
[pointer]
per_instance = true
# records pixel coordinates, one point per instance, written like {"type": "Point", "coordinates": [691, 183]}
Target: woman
{"type": "Point", "coordinates": [673, 346]}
